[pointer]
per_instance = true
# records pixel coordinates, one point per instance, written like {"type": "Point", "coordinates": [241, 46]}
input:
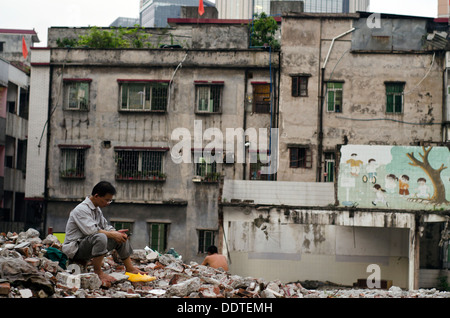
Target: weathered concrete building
{"type": "Point", "coordinates": [14, 100]}
{"type": "Point", "coordinates": [11, 44]}
{"type": "Point", "coordinates": [349, 84]}
{"type": "Point", "coordinates": [116, 114]}
{"type": "Point", "coordinates": [338, 84]}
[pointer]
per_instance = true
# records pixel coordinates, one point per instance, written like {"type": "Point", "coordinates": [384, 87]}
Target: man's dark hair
{"type": "Point", "coordinates": [212, 249]}
{"type": "Point", "coordinates": [102, 188]}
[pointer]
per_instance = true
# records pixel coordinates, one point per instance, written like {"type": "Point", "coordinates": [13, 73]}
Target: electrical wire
{"type": "Point", "coordinates": [388, 119]}
{"type": "Point", "coordinates": [426, 75]}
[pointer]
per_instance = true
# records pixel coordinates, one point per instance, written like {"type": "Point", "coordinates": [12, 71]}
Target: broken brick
{"type": "Point", "coordinates": [174, 279]}
{"type": "Point", "coordinates": [5, 288]}
{"type": "Point", "coordinates": [33, 261]}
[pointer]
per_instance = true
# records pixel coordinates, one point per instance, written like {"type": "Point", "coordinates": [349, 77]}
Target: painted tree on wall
{"type": "Point", "coordinates": [434, 174]}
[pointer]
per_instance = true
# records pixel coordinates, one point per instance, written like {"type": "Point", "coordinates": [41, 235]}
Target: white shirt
{"type": "Point", "coordinates": [84, 220]}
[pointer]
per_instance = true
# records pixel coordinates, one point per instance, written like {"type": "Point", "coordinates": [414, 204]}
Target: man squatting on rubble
{"type": "Point", "coordinates": [89, 236]}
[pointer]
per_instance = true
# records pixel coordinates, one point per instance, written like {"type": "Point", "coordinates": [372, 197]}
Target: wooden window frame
{"type": "Point", "coordinates": [394, 97]}
{"type": "Point", "coordinates": [261, 98]}
{"type": "Point", "coordinates": [303, 157]}
{"type": "Point", "coordinates": [299, 86]}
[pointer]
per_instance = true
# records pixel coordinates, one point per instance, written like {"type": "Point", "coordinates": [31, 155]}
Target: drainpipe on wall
{"type": "Point", "coordinates": [322, 97]}
{"type": "Point", "coordinates": [445, 108]}
{"type": "Point", "coordinates": [47, 153]}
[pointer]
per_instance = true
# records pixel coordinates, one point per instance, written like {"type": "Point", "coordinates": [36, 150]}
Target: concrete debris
{"type": "Point", "coordinates": [26, 271]}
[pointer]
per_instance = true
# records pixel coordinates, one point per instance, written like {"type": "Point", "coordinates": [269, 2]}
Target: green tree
{"type": "Point", "coordinates": [103, 39]}
{"type": "Point", "coordinates": [262, 31]}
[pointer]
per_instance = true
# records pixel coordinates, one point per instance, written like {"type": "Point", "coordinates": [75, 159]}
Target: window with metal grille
{"type": "Point", "coordinates": [209, 98]}
{"type": "Point", "coordinates": [205, 240]}
{"type": "Point", "coordinates": [256, 164]}
{"type": "Point", "coordinates": [139, 165]}
{"type": "Point", "coordinates": [76, 94]}
{"type": "Point", "coordinates": [334, 96]}
{"type": "Point", "coordinates": [205, 167]}
{"type": "Point", "coordinates": [300, 157]}
{"type": "Point", "coordinates": [147, 96]}
{"type": "Point", "coordinates": [73, 161]}
{"type": "Point", "coordinates": [261, 98]}
{"type": "Point", "coordinates": [157, 236]}
{"type": "Point", "coordinates": [121, 225]}
{"type": "Point", "coordinates": [329, 166]}
{"type": "Point", "coordinates": [300, 86]}
{"type": "Point", "coordinates": [394, 97]}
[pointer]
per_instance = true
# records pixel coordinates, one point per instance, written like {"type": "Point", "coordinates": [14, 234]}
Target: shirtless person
{"type": "Point", "coordinates": [214, 259]}
{"type": "Point", "coordinates": [89, 236]}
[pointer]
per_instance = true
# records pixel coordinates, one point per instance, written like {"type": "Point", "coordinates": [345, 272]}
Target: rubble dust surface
{"type": "Point", "coordinates": [35, 268]}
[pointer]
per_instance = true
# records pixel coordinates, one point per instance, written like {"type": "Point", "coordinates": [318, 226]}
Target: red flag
{"type": "Point", "coordinates": [201, 9]}
{"type": "Point", "coordinates": [24, 48]}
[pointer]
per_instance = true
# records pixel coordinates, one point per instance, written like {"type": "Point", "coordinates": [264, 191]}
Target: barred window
{"type": "Point", "coordinates": [261, 98]}
{"type": "Point", "coordinates": [76, 94]}
{"type": "Point", "coordinates": [73, 161]}
{"type": "Point", "coordinates": [205, 240]}
{"type": "Point", "coordinates": [205, 166]}
{"type": "Point", "coordinates": [144, 165]}
{"type": "Point", "coordinates": [257, 162]}
{"type": "Point", "coordinates": [122, 225]}
{"type": "Point", "coordinates": [209, 98]}
{"type": "Point", "coordinates": [146, 96]}
{"type": "Point", "coordinates": [157, 233]}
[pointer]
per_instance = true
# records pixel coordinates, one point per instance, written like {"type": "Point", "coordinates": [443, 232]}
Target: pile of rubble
{"type": "Point", "coordinates": [29, 267]}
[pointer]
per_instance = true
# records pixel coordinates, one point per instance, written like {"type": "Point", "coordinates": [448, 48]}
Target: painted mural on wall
{"type": "Point", "coordinates": [397, 177]}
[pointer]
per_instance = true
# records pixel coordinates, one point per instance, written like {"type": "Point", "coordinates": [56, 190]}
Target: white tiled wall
{"type": "Point", "coordinates": [37, 128]}
{"type": "Point", "coordinates": [280, 192]}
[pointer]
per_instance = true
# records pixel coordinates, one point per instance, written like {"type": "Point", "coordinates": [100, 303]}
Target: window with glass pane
{"type": "Point", "coordinates": [76, 95]}
{"type": "Point", "coordinates": [394, 97]}
{"type": "Point", "coordinates": [158, 236]}
{"type": "Point", "coordinates": [300, 157]}
{"type": "Point", "coordinates": [329, 166]}
{"type": "Point", "coordinates": [300, 86]}
{"type": "Point", "coordinates": [256, 165]}
{"type": "Point", "coordinates": [204, 166]}
{"type": "Point", "coordinates": [144, 96]}
{"type": "Point", "coordinates": [139, 165]}
{"type": "Point", "coordinates": [72, 162]}
{"type": "Point", "coordinates": [209, 98]}
{"type": "Point", "coordinates": [205, 240]}
{"type": "Point", "coordinates": [334, 97]}
{"type": "Point", "coordinates": [261, 98]}
{"type": "Point", "coordinates": [118, 225]}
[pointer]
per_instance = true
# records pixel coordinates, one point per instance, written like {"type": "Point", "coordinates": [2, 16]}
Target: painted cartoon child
{"type": "Point", "coordinates": [354, 164]}
{"type": "Point", "coordinates": [380, 196]}
{"type": "Point", "coordinates": [372, 170]}
{"type": "Point", "coordinates": [403, 185]}
{"type": "Point", "coordinates": [422, 188]}
{"type": "Point", "coordinates": [390, 183]}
